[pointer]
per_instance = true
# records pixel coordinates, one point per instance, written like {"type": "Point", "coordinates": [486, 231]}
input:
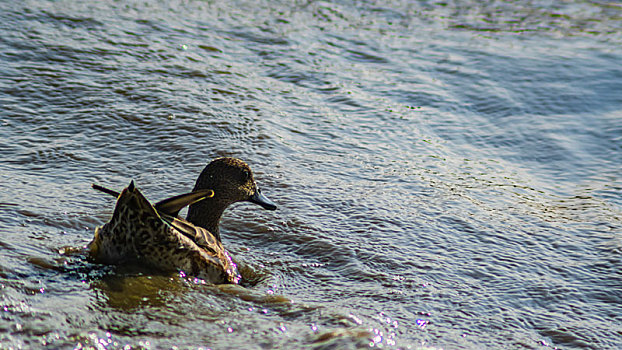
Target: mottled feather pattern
{"type": "Point", "coordinates": [137, 233]}
{"type": "Point", "coordinates": [153, 235]}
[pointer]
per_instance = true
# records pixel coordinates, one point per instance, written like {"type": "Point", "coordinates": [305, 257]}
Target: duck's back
{"type": "Point", "coordinates": [137, 232]}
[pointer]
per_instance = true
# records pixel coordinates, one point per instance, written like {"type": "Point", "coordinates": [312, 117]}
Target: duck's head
{"type": "Point", "coordinates": [232, 181]}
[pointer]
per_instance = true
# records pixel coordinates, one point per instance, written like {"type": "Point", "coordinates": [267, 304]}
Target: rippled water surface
{"type": "Point", "coordinates": [448, 173]}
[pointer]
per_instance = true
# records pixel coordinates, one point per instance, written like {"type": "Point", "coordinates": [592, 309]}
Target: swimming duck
{"type": "Point", "coordinates": [154, 235]}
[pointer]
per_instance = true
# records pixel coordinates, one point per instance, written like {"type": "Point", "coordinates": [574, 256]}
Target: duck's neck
{"type": "Point", "coordinates": [206, 214]}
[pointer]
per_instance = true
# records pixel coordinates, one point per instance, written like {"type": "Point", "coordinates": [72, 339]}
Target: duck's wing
{"type": "Point", "coordinates": [200, 236]}
{"type": "Point", "coordinates": [114, 241]}
{"type": "Point", "coordinates": [139, 230]}
{"type": "Point", "coordinates": [208, 246]}
{"type": "Point", "coordinates": [171, 206]}
{"type": "Point", "coordinates": [168, 209]}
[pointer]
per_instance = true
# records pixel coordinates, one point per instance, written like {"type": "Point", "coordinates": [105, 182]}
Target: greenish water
{"type": "Point", "coordinates": [448, 174]}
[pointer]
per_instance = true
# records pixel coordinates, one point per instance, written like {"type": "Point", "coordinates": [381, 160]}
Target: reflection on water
{"type": "Point", "coordinates": [447, 173]}
{"type": "Point", "coordinates": [128, 293]}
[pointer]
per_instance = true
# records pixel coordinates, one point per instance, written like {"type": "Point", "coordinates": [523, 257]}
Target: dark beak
{"type": "Point", "coordinates": [260, 199]}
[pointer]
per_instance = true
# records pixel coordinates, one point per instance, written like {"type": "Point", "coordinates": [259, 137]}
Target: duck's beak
{"type": "Point", "coordinates": [260, 199]}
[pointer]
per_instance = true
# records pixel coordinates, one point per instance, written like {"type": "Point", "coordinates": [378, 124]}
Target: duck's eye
{"type": "Point", "coordinates": [245, 175]}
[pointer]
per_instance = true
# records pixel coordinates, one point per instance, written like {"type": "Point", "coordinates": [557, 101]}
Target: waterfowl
{"type": "Point", "coordinates": [154, 235]}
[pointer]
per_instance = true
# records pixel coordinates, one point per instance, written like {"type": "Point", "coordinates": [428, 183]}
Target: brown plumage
{"type": "Point", "coordinates": [153, 235]}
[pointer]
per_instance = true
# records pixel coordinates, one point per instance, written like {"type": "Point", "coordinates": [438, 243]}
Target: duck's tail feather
{"type": "Point", "coordinates": [172, 206]}
{"type": "Point", "coordinates": [106, 190]}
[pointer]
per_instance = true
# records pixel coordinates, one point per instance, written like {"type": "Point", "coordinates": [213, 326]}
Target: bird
{"type": "Point", "coordinates": [153, 234]}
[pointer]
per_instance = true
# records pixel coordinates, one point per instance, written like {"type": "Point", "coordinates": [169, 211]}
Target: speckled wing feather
{"type": "Point", "coordinates": [208, 245]}
{"type": "Point", "coordinates": [200, 236]}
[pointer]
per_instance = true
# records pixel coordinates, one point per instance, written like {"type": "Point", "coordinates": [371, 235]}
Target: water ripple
{"type": "Point", "coordinates": [447, 173]}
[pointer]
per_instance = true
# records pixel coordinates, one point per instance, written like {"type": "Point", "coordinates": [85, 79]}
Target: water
{"type": "Point", "coordinates": [448, 174]}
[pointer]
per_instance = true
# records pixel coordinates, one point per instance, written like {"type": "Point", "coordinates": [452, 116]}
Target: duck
{"type": "Point", "coordinates": [155, 236]}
